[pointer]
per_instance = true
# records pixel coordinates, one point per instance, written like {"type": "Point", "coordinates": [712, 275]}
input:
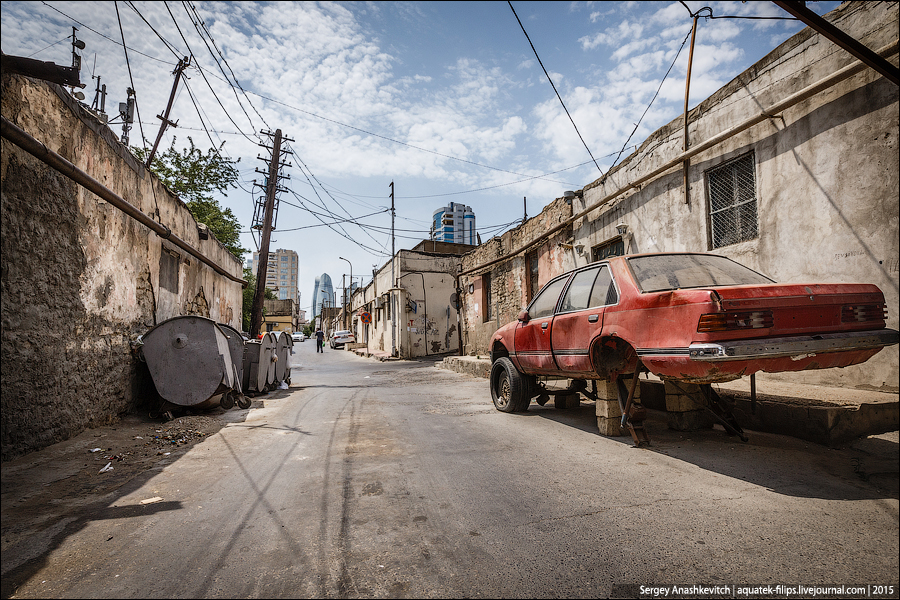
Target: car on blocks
{"type": "Point", "coordinates": [689, 317]}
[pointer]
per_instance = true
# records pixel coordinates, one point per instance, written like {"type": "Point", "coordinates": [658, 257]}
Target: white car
{"type": "Point", "coordinates": [340, 338]}
{"type": "Point", "coordinates": [298, 336]}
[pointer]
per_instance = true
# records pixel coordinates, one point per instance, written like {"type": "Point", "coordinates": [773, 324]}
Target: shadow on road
{"type": "Point", "coordinates": [863, 469]}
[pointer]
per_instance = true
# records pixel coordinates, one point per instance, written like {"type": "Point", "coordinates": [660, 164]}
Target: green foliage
{"type": "Point", "coordinates": [193, 177]}
{"type": "Point", "coordinates": [249, 292]}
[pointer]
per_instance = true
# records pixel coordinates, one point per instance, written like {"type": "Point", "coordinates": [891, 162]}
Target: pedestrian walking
{"type": "Point", "coordinates": [320, 340]}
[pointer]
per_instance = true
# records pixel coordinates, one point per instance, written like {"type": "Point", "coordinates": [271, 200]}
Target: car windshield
{"type": "Point", "coordinates": [663, 272]}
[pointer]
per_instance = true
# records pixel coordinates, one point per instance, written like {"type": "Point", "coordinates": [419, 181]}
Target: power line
{"type": "Point", "coordinates": [203, 74]}
{"type": "Point", "coordinates": [104, 36]}
{"type": "Point", "coordinates": [554, 88]}
{"type": "Point", "coordinates": [236, 82]}
{"type": "Point", "coordinates": [188, 8]}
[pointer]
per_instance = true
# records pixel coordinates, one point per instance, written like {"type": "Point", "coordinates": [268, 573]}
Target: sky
{"type": "Point", "coordinates": [450, 101]}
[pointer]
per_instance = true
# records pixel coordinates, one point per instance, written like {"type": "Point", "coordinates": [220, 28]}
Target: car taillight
{"type": "Point", "coordinates": [861, 313]}
{"type": "Point", "coordinates": [731, 321]}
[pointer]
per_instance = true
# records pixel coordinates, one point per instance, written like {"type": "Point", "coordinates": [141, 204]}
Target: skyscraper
{"type": "Point", "coordinates": [454, 223]}
{"type": "Point", "coordinates": [323, 292]}
{"type": "Point", "coordinates": [282, 273]}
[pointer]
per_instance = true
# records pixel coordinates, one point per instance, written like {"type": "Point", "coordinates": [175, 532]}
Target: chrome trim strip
{"type": "Point", "coordinates": [572, 352]}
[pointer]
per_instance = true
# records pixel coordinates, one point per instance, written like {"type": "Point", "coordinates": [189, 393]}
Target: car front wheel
{"type": "Point", "coordinates": [509, 388]}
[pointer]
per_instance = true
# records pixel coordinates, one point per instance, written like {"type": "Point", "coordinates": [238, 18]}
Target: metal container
{"type": "Point", "coordinates": [190, 360]}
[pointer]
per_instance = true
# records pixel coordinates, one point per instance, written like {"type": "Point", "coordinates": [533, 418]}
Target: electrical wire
{"type": "Point", "coordinates": [188, 8]}
{"type": "Point", "coordinates": [636, 125]}
{"type": "Point", "coordinates": [104, 36]}
{"type": "Point", "coordinates": [236, 82]}
{"type": "Point", "coordinates": [554, 87]}
{"type": "Point", "coordinates": [203, 74]}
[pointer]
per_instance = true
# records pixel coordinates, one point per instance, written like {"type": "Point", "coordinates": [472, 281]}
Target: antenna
{"type": "Point", "coordinates": [76, 62]}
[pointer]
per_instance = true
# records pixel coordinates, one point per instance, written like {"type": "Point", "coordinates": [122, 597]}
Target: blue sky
{"type": "Point", "coordinates": [445, 99]}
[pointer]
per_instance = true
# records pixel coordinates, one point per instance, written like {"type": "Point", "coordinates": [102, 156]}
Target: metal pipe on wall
{"type": "Point", "coordinates": [26, 142]}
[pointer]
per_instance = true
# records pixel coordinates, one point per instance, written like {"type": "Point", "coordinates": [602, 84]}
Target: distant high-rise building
{"type": "Point", "coordinates": [323, 293]}
{"type": "Point", "coordinates": [454, 223]}
{"type": "Point", "coordinates": [282, 273]}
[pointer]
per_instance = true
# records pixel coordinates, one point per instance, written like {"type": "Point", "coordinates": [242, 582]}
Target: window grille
{"type": "Point", "coordinates": [732, 202]}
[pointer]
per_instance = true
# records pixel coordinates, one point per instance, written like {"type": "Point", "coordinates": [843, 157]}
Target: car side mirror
{"type": "Point", "coordinates": [523, 316]}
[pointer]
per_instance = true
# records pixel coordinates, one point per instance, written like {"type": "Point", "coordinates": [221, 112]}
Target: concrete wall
{"type": "Point", "coordinates": [826, 178]}
{"type": "Point", "coordinates": [81, 280]}
{"type": "Point", "coordinates": [425, 323]}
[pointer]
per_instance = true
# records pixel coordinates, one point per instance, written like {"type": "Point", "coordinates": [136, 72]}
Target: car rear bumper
{"type": "Point", "coordinates": [794, 347]}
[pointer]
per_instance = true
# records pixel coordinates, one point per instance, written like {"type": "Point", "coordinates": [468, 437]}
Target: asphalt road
{"type": "Point", "coordinates": [398, 479]}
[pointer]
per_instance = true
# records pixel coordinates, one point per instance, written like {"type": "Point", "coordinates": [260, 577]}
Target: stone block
{"type": "Point", "coordinates": [609, 409]}
{"type": "Point", "coordinates": [683, 397]}
{"type": "Point", "coordinates": [610, 427]}
{"type": "Point", "coordinates": [572, 400]}
{"type": "Point", "coordinates": [691, 420]}
{"type": "Point", "coordinates": [606, 390]}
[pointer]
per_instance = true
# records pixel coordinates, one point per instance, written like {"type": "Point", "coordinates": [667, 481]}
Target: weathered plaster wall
{"type": "Point", "coordinates": [425, 322]}
{"type": "Point", "coordinates": [826, 177]}
{"type": "Point", "coordinates": [81, 280]}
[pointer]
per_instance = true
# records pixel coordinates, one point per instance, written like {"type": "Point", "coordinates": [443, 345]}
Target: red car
{"type": "Point", "coordinates": [697, 318]}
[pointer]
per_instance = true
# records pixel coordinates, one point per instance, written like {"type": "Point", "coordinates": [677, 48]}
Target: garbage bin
{"type": "Point", "coordinates": [236, 346]}
{"type": "Point", "coordinates": [190, 361]}
{"type": "Point", "coordinates": [283, 364]}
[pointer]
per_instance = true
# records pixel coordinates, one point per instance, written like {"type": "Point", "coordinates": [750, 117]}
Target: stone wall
{"type": "Point", "coordinates": [81, 280]}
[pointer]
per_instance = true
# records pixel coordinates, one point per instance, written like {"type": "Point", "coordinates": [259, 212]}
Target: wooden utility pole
{"type": "Point", "coordinates": [394, 305]}
{"type": "Point", "coordinates": [262, 267]}
{"type": "Point", "coordinates": [182, 65]}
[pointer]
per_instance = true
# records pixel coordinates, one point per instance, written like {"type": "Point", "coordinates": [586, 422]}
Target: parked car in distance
{"type": "Point", "coordinates": [339, 338]}
{"type": "Point", "coordinates": [298, 336]}
{"type": "Point", "coordinates": [696, 318]}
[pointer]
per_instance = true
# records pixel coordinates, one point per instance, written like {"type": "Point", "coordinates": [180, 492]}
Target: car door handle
{"type": "Point", "coordinates": [545, 324]}
{"type": "Point", "coordinates": [593, 318]}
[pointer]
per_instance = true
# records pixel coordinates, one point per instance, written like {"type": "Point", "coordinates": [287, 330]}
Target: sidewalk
{"type": "Point", "coordinates": [825, 415]}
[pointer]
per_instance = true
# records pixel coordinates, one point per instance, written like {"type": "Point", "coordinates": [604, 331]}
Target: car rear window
{"type": "Point", "coordinates": [679, 271]}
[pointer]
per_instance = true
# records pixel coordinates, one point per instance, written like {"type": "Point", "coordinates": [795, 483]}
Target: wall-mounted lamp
{"type": "Point", "coordinates": [579, 248]}
{"type": "Point", "coordinates": [471, 288]}
{"type": "Point", "coordinates": [622, 228]}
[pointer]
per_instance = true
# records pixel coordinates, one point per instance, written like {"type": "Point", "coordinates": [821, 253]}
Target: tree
{"type": "Point", "coordinates": [193, 177]}
{"type": "Point", "coordinates": [249, 292]}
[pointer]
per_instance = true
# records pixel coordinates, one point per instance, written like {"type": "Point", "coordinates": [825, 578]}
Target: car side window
{"type": "Point", "coordinates": [604, 292]}
{"type": "Point", "coordinates": [578, 295]}
{"type": "Point", "coordinates": [545, 303]}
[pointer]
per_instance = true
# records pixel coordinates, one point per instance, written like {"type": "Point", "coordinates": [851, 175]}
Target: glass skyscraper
{"type": "Point", "coordinates": [323, 292]}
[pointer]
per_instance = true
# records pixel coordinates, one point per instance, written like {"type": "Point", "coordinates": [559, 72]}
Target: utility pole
{"type": "Point", "coordinates": [524, 209]}
{"type": "Point", "coordinates": [182, 65]}
{"type": "Point", "coordinates": [262, 267]}
{"type": "Point", "coordinates": [396, 319]}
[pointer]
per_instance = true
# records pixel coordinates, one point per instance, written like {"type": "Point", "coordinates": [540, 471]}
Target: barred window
{"type": "Point", "coordinates": [732, 201]}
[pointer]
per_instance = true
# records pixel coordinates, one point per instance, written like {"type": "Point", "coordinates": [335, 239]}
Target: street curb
{"type": "Point", "coordinates": [797, 415]}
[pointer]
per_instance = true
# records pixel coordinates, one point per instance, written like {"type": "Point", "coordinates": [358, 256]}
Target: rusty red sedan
{"type": "Point", "coordinates": [697, 318]}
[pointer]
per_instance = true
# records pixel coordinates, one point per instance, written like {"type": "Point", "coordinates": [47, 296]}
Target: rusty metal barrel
{"type": "Point", "coordinates": [190, 360]}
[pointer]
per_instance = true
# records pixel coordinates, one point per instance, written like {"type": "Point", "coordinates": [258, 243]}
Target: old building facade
{"type": "Point", "coordinates": [791, 169]}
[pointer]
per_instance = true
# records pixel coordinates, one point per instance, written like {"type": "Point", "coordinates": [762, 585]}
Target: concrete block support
{"type": "Point", "coordinates": [572, 400]}
{"type": "Point", "coordinates": [684, 404]}
{"type": "Point", "coordinates": [609, 417]}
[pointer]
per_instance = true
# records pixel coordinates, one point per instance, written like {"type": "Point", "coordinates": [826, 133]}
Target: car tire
{"type": "Point", "coordinates": [509, 388]}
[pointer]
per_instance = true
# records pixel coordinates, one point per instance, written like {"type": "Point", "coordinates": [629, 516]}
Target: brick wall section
{"type": "Point", "coordinates": [508, 290]}
{"type": "Point", "coordinates": [81, 280]}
